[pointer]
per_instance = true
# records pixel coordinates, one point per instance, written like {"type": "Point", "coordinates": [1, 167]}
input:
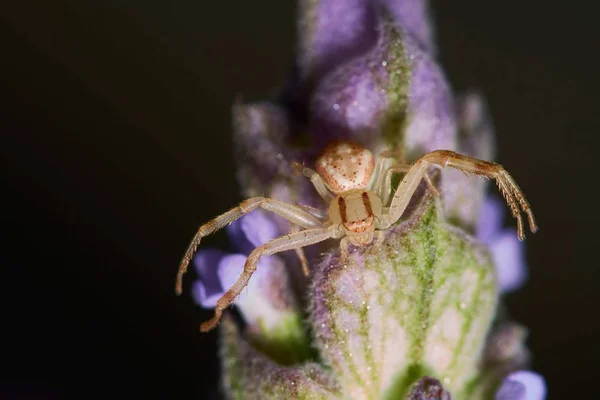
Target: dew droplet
{"type": "Point", "coordinates": [384, 63]}
{"type": "Point", "coordinates": [336, 106]}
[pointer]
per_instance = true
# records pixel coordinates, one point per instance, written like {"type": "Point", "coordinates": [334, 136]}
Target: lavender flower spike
{"type": "Point", "coordinates": [415, 317]}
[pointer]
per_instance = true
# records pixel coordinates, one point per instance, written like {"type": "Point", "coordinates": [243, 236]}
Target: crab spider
{"type": "Point", "coordinates": [358, 190]}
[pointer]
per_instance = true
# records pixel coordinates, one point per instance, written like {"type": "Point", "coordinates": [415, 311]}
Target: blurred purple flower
{"type": "Point", "coordinates": [507, 251]}
{"type": "Point", "coordinates": [522, 385]}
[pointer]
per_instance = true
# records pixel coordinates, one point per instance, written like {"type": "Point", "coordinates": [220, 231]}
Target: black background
{"type": "Point", "coordinates": [115, 146]}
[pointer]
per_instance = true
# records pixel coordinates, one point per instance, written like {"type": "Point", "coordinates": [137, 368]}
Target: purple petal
{"type": "Point", "coordinates": [332, 32]}
{"type": "Point", "coordinates": [204, 299]}
{"type": "Point", "coordinates": [206, 263]}
{"type": "Point", "coordinates": [489, 223]}
{"type": "Point", "coordinates": [413, 16]}
{"type": "Point", "coordinates": [232, 266]}
{"type": "Point", "coordinates": [267, 294]}
{"type": "Point", "coordinates": [207, 289]}
{"type": "Point", "coordinates": [258, 227]}
{"type": "Point", "coordinates": [230, 269]}
{"type": "Point", "coordinates": [522, 385]}
{"type": "Point", "coordinates": [509, 259]}
{"type": "Point", "coordinates": [252, 230]}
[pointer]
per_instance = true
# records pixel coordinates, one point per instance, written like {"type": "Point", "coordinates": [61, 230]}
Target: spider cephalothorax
{"type": "Point", "coordinates": [358, 188]}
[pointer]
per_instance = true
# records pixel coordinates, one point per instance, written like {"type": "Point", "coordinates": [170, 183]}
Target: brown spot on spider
{"type": "Point", "coordinates": [360, 208]}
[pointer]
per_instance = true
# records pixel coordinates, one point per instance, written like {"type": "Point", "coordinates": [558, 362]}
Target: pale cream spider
{"type": "Point", "coordinates": [358, 190]}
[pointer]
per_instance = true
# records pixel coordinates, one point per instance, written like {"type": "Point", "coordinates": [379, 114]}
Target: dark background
{"type": "Point", "coordinates": [115, 145]}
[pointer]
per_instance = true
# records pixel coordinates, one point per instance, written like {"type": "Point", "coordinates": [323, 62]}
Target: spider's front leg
{"type": "Point", "coordinates": [288, 242]}
{"type": "Point", "coordinates": [292, 213]}
{"type": "Point", "coordinates": [389, 163]}
{"type": "Point", "coordinates": [386, 185]}
{"type": "Point", "coordinates": [445, 158]}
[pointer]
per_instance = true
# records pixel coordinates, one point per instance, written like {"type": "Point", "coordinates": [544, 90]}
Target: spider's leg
{"type": "Point", "coordinates": [444, 158]}
{"type": "Point", "coordinates": [315, 212]}
{"type": "Point", "coordinates": [288, 211]}
{"type": "Point", "coordinates": [283, 243]}
{"type": "Point", "coordinates": [385, 190]}
{"type": "Point", "coordinates": [431, 185]}
{"type": "Point", "coordinates": [380, 173]}
{"type": "Point", "coordinates": [319, 184]}
{"type": "Point", "coordinates": [300, 253]}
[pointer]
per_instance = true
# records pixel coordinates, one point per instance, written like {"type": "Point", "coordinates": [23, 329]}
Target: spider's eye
{"type": "Point", "coordinates": [345, 166]}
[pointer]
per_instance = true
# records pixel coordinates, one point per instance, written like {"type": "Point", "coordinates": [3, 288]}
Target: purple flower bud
{"type": "Point", "coordinates": [332, 32]}
{"type": "Point", "coordinates": [395, 91]}
{"type": "Point", "coordinates": [522, 385]}
{"type": "Point", "coordinates": [264, 156]}
{"type": "Point", "coordinates": [428, 388]}
{"type": "Point", "coordinates": [413, 16]}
